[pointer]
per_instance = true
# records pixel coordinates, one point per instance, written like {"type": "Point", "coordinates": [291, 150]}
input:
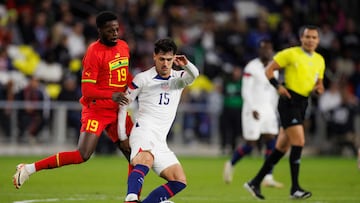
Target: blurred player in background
{"type": "Point", "coordinates": [104, 79]}
{"type": "Point", "coordinates": [259, 114]}
{"type": "Point", "coordinates": [158, 91]}
{"type": "Point", "coordinates": [304, 71]}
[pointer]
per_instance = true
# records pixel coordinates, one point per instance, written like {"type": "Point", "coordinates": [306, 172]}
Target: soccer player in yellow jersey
{"type": "Point", "coordinates": [303, 74]}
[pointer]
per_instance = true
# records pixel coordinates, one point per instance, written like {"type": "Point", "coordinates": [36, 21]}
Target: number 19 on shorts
{"type": "Point", "coordinates": [92, 125]}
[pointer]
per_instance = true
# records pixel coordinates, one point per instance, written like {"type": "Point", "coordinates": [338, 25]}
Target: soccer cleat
{"type": "Point", "coordinates": [254, 190]}
{"type": "Point", "coordinates": [270, 182]}
{"type": "Point", "coordinates": [166, 201]}
{"type": "Point", "coordinates": [300, 194]}
{"type": "Point", "coordinates": [228, 172]}
{"type": "Point", "coordinates": [20, 176]}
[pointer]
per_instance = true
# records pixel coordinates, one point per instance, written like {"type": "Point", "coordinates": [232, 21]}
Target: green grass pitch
{"type": "Point", "coordinates": [103, 180]}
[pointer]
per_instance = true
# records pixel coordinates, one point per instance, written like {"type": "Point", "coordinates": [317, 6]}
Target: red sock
{"type": "Point", "coordinates": [58, 160]}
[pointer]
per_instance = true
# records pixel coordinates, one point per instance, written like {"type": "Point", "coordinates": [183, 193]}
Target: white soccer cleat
{"type": "Point", "coordinates": [228, 172]}
{"type": "Point", "coordinates": [20, 176]}
{"type": "Point", "coordinates": [270, 182]}
{"type": "Point", "coordinates": [167, 201]}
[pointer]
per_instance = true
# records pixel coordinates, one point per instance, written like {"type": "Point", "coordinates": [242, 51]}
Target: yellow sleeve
{"type": "Point", "coordinates": [282, 58]}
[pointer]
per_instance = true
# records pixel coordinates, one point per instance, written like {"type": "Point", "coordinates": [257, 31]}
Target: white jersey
{"type": "Point", "coordinates": [258, 95]}
{"type": "Point", "coordinates": [158, 99]}
{"type": "Point", "coordinates": [256, 88]}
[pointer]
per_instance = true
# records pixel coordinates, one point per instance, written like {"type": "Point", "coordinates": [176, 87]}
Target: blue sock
{"type": "Point", "coordinates": [240, 152]}
{"type": "Point", "coordinates": [164, 192]}
{"type": "Point", "coordinates": [270, 146]}
{"type": "Point", "coordinates": [136, 178]}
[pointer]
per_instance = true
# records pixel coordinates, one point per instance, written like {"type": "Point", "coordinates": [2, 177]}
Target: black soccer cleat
{"type": "Point", "coordinates": [300, 194]}
{"type": "Point", "coordinates": [254, 190]}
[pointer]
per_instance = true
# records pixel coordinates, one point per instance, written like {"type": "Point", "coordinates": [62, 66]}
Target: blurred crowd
{"type": "Point", "coordinates": [42, 43]}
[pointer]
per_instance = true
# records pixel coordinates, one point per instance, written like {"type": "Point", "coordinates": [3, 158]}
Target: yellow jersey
{"type": "Point", "coordinates": [301, 69]}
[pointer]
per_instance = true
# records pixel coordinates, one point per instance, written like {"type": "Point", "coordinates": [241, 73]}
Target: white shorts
{"type": "Point", "coordinates": [267, 123]}
{"type": "Point", "coordinates": [142, 139]}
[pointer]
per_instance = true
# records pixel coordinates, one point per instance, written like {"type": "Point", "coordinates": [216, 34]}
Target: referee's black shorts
{"type": "Point", "coordinates": [292, 111]}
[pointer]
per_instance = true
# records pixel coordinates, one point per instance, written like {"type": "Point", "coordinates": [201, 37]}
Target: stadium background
{"type": "Point", "coordinates": [46, 39]}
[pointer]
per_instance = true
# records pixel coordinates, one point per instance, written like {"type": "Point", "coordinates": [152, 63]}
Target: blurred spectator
{"type": "Point", "coordinates": [76, 41]}
{"type": "Point", "coordinates": [355, 80]}
{"type": "Point", "coordinates": [230, 119]}
{"type": "Point", "coordinates": [70, 91]}
{"type": "Point", "coordinates": [6, 94]}
{"type": "Point", "coordinates": [327, 36]}
{"type": "Point", "coordinates": [26, 26]}
{"type": "Point", "coordinates": [90, 31]}
{"type": "Point", "coordinates": [345, 63]}
{"type": "Point", "coordinates": [48, 69]}
{"type": "Point", "coordinates": [61, 52]}
{"type": "Point", "coordinates": [350, 38]}
{"type": "Point", "coordinates": [330, 100]}
{"type": "Point", "coordinates": [338, 106]}
{"type": "Point", "coordinates": [260, 31]}
{"type": "Point", "coordinates": [41, 33]}
{"type": "Point", "coordinates": [31, 119]}
{"type": "Point", "coordinates": [285, 37]}
{"type": "Point", "coordinates": [62, 27]}
{"type": "Point", "coordinates": [197, 120]}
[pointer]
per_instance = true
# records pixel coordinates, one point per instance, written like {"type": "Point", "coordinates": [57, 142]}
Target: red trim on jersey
{"type": "Point", "coordinates": [247, 74]}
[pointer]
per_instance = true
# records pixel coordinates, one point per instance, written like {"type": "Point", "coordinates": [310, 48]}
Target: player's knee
{"type": "Point", "coordinates": [144, 158]}
{"type": "Point", "coordinates": [85, 155]}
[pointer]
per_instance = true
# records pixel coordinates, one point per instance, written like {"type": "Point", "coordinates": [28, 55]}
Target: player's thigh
{"type": "Point", "coordinates": [174, 172]}
{"type": "Point", "coordinates": [141, 139]}
{"type": "Point", "coordinates": [112, 131]}
{"type": "Point", "coordinates": [144, 158]}
{"type": "Point", "coordinates": [269, 124]}
{"type": "Point", "coordinates": [87, 144]}
{"type": "Point", "coordinates": [164, 159]}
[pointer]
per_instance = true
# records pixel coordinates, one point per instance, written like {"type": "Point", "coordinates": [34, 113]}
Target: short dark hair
{"type": "Point", "coordinates": [103, 17]}
{"type": "Point", "coordinates": [310, 27]}
{"type": "Point", "coordinates": [165, 45]}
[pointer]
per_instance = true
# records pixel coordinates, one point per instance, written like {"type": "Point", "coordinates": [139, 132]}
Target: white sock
{"type": "Point", "coordinates": [30, 168]}
{"type": "Point", "coordinates": [131, 197]}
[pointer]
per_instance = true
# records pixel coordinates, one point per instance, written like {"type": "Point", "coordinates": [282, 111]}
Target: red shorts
{"type": "Point", "coordinates": [94, 120]}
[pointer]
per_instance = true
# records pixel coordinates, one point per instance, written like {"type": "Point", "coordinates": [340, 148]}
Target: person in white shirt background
{"type": "Point", "coordinates": [259, 113]}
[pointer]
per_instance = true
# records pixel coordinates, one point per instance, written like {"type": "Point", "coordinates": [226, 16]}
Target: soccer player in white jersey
{"type": "Point", "coordinates": [259, 114]}
{"type": "Point", "coordinates": [158, 91]}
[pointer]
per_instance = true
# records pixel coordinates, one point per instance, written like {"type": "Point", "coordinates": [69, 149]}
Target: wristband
{"type": "Point", "coordinates": [274, 83]}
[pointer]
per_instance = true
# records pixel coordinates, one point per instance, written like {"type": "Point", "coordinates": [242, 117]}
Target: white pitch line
{"type": "Point", "coordinates": [50, 200]}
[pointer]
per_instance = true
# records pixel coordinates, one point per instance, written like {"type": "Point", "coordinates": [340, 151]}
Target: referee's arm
{"type": "Point", "coordinates": [269, 72]}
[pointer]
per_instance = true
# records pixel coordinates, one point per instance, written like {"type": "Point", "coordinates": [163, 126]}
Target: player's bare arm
{"type": "Point", "coordinates": [125, 146]}
{"type": "Point", "coordinates": [269, 72]}
{"type": "Point", "coordinates": [120, 98]}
